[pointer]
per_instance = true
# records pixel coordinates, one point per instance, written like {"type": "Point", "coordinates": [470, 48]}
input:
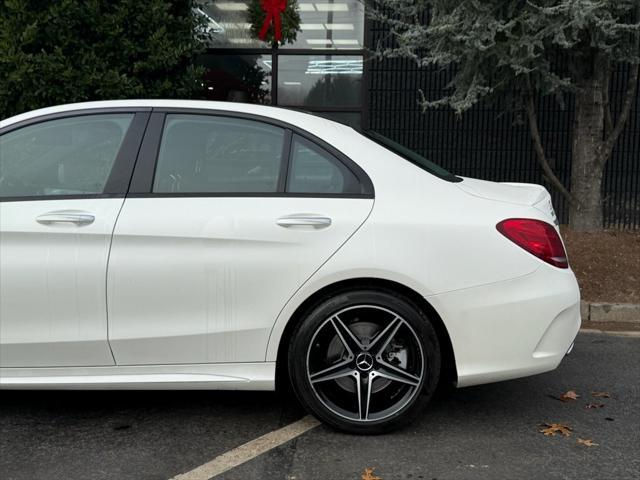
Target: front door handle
{"type": "Point", "coordinates": [304, 220]}
{"type": "Point", "coordinates": [76, 217]}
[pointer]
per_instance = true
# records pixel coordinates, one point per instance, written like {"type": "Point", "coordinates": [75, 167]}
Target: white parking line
{"type": "Point", "coordinates": [249, 450]}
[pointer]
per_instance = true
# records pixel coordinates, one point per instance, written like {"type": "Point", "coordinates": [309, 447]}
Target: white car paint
{"type": "Point", "coordinates": [227, 271]}
{"type": "Point", "coordinates": [223, 376]}
{"type": "Point", "coordinates": [215, 282]}
{"type": "Point", "coordinates": [53, 283]}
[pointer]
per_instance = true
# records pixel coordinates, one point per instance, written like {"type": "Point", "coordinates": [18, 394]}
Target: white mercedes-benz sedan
{"type": "Point", "coordinates": [202, 245]}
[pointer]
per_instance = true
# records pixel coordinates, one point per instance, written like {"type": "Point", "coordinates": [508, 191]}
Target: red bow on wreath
{"type": "Point", "coordinates": [273, 9]}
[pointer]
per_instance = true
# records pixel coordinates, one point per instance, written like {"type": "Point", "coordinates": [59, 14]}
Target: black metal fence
{"type": "Point", "coordinates": [484, 143]}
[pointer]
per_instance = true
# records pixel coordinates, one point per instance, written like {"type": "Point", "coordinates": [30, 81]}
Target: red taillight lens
{"type": "Point", "coordinates": [536, 237]}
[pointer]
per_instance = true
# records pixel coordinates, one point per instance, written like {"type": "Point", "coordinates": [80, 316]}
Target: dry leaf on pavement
{"type": "Point", "coordinates": [587, 442]}
{"type": "Point", "coordinates": [369, 475]}
{"type": "Point", "coordinates": [551, 429]}
{"type": "Point", "coordinates": [568, 396]}
{"type": "Point", "coordinates": [601, 394]}
{"type": "Point", "coordinates": [589, 406]}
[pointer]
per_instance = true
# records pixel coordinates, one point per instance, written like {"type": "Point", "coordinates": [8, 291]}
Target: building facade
{"type": "Point", "coordinates": [328, 71]}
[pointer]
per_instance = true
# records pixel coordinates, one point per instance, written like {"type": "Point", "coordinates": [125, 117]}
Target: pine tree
{"type": "Point", "coordinates": [63, 51]}
{"type": "Point", "coordinates": [508, 50]}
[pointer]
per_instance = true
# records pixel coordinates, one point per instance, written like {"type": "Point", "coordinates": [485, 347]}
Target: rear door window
{"type": "Point", "coordinates": [216, 154]}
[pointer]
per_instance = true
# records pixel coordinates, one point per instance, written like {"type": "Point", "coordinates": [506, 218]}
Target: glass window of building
{"type": "Point", "coordinates": [320, 80]}
{"type": "Point", "coordinates": [329, 24]}
{"type": "Point", "coordinates": [321, 72]}
{"type": "Point", "coordinates": [238, 78]}
{"type": "Point", "coordinates": [226, 24]}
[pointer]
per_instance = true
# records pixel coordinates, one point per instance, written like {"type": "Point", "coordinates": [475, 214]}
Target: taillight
{"type": "Point", "coordinates": [536, 237]}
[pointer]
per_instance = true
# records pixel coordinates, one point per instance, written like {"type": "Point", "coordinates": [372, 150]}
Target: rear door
{"type": "Point", "coordinates": [62, 184]}
{"type": "Point", "coordinates": [218, 234]}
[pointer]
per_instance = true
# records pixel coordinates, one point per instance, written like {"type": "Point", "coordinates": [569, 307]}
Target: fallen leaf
{"type": "Point", "coordinates": [551, 429]}
{"type": "Point", "coordinates": [369, 475]}
{"type": "Point", "coordinates": [587, 442]}
{"type": "Point", "coordinates": [568, 396]}
{"type": "Point", "coordinates": [601, 394]}
{"type": "Point", "coordinates": [589, 406]}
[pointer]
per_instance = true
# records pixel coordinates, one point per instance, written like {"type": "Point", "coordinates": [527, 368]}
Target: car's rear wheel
{"type": "Point", "coordinates": [365, 361]}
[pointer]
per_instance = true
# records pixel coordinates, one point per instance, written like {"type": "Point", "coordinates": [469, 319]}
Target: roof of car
{"type": "Point", "coordinates": [294, 117]}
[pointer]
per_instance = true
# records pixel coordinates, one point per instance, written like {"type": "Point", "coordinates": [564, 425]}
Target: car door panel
{"type": "Point", "coordinates": [52, 284]}
{"type": "Point", "coordinates": [202, 279]}
{"type": "Point", "coordinates": [63, 179]}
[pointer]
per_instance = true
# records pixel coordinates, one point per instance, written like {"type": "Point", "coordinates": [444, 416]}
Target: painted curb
{"type": "Point", "coordinates": [610, 312]}
{"type": "Point", "coordinates": [593, 331]}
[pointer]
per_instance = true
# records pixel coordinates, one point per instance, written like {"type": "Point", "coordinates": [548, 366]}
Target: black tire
{"type": "Point", "coordinates": [402, 347]}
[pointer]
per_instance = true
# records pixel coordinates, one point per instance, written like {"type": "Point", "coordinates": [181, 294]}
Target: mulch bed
{"type": "Point", "coordinates": [607, 264]}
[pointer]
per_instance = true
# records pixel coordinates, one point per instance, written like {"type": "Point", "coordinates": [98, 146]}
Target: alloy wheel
{"type": "Point", "coordinates": [365, 363]}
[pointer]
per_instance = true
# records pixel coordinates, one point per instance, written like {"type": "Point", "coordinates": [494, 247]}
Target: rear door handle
{"type": "Point", "coordinates": [304, 220]}
{"type": "Point", "coordinates": [66, 216]}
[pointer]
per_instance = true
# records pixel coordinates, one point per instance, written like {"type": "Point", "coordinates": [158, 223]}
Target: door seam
{"type": "Point", "coordinates": [113, 230]}
{"type": "Point", "coordinates": [273, 326]}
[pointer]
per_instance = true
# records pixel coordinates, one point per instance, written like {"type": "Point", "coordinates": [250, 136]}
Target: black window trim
{"type": "Point", "coordinates": [119, 179]}
{"type": "Point", "coordinates": [144, 172]}
{"type": "Point", "coordinates": [283, 179]}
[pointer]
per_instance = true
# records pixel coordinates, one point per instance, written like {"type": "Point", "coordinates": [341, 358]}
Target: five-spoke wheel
{"type": "Point", "coordinates": [365, 364]}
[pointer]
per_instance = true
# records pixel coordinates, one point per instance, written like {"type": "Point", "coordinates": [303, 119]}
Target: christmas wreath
{"type": "Point", "coordinates": [274, 21]}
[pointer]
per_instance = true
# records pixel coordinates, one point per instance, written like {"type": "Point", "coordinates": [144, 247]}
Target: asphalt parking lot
{"type": "Point", "coordinates": [486, 432]}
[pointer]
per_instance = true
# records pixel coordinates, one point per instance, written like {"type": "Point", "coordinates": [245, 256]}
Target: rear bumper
{"type": "Point", "coordinates": [511, 329]}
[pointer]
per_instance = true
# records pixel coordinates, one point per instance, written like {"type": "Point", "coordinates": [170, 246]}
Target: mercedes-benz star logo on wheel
{"type": "Point", "coordinates": [364, 361]}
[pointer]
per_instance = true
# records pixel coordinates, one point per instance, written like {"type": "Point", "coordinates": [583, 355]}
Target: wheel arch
{"type": "Point", "coordinates": [449, 370]}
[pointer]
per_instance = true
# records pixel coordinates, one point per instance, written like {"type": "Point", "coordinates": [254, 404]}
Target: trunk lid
{"type": "Point", "coordinates": [527, 194]}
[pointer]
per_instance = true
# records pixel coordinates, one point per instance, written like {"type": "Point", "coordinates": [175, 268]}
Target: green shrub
{"type": "Point", "coordinates": [62, 51]}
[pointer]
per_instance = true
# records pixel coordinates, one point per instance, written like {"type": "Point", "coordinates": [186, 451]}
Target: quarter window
{"type": "Point", "coordinates": [207, 154]}
{"type": "Point", "coordinates": [314, 170]}
{"type": "Point", "coordinates": [68, 156]}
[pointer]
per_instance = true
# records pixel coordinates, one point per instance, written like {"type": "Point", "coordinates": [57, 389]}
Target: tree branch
{"type": "Point", "coordinates": [629, 97]}
{"type": "Point", "coordinates": [540, 155]}
{"type": "Point", "coordinates": [606, 100]}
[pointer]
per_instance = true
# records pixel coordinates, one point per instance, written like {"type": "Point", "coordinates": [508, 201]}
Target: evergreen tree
{"type": "Point", "coordinates": [506, 50]}
{"type": "Point", "coordinates": [62, 51]}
